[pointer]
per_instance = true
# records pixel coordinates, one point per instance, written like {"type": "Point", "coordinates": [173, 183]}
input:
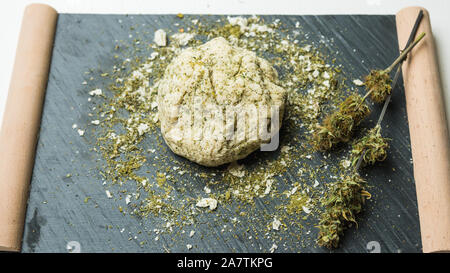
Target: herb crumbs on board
{"type": "Point", "coordinates": [128, 138]}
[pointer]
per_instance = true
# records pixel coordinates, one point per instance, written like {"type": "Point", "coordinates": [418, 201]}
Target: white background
{"type": "Point", "coordinates": [11, 15]}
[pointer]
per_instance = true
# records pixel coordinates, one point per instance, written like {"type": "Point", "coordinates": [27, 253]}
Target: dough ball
{"type": "Point", "coordinates": [215, 102]}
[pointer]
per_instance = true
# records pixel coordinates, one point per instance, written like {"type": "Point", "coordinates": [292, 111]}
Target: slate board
{"type": "Point", "coordinates": [57, 213]}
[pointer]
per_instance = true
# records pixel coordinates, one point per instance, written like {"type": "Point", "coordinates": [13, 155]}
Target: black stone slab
{"type": "Point", "coordinates": [57, 213]}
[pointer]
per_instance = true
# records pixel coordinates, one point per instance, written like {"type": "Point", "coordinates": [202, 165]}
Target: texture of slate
{"type": "Point", "coordinates": [57, 213]}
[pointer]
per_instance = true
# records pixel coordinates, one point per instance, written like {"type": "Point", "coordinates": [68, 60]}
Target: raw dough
{"type": "Point", "coordinates": [199, 89]}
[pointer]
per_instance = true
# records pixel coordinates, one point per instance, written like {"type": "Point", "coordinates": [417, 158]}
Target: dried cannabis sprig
{"type": "Point", "coordinates": [338, 126]}
{"type": "Point", "coordinates": [378, 82]}
{"type": "Point", "coordinates": [346, 197]}
{"type": "Point", "coordinates": [342, 203]}
{"type": "Point", "coordinates": [372, 145]}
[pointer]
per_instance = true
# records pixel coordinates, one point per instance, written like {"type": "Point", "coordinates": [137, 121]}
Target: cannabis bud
{"type": "Point", "coordinates": [373, 145]}
{"type": "Point", "coordinates": [378, 84]}
{"type": "Point", "coordinates": [323, 139]}
{"type": "Point", "coordinates": [354, 106]}
{"type": "Point", "coordinates": [342, 203]}
{"type": "Point", "coordinates": [338, 127]}
{"type": "Point", "coordinates": [345, 198]}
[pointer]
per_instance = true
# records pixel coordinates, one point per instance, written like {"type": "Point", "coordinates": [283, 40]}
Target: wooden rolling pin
{"type": "Point", "coordinates": [429, 132]}
{"type": "Point", "coordinates": [21, 120]}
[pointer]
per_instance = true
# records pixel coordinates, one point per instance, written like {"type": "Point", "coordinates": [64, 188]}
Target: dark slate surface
{"type": "Point", "coordinates": [58, 215]}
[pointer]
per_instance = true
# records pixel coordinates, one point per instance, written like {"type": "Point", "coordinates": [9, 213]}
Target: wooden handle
{"type": "Point", "coordinates": [21, 120]}
{"type": "Point", "coordinates": [429, 132]}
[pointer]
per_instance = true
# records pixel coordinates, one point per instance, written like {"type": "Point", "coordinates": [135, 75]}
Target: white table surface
{"type": "Point", "coordinates": [11, 15]}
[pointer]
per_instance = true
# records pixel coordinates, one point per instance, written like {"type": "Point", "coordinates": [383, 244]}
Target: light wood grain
{"type": "Point", "coordinates": [22, 118]}
{"type": "Point", "coordinates": [429, 133]}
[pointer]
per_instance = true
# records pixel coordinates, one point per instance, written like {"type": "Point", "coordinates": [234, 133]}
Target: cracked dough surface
{"type": "Point", "coordinates": [211, 79]}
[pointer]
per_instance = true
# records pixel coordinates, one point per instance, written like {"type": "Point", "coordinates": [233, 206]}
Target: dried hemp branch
{"type": "Point", "coordinates": [344, 200]}
{"type": "Point", "coordinates": [378, 82]}
{"type": "Point", "coordinates": [338, 126]}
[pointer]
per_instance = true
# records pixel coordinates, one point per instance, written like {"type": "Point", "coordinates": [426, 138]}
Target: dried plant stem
{"type": "Point", "coordinates": [346, 197]}
{"type": "Point", "coordinates": [338, 127]}
{"type": "Point", "coordinates": [400, 59]}
{"type": "Point", "coordinates": [404, 53]}
{"type": "Point", "coordinates": [367, 95]}
{"type": "Point", "coordinates": [378, 82]}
